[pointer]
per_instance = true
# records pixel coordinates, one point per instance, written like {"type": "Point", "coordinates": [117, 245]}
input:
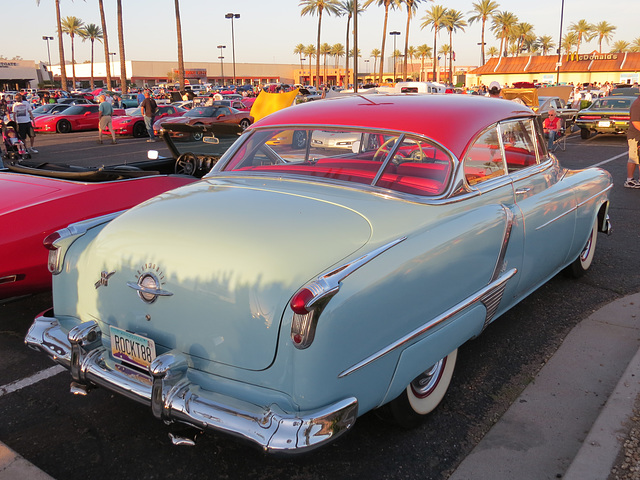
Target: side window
{"type": "Point", "coordinates": [519, 145]}
{"type": "Point", "coordinates": [484, 158]}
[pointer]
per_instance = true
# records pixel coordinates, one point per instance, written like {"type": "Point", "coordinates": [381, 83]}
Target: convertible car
{"type": "Point", "coordinates": [292, 290]}
{"type": "Point", "coordinates": [74, 118]}
{"type": "Point", "coordinates": [202, 115]}
{"type": "Point", "coordinates": [133, 123]}
{"type": "Point", "coordinates": [37, 199]}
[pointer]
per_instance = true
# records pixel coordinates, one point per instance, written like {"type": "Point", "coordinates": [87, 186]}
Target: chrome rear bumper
{"type": "Point", "coordinates": [173, 397]}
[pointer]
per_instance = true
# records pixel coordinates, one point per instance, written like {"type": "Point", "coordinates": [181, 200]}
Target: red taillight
{"type": "Point", "coordinates": [49, 241]}
{"type": "Point", "coordinates": [300, 300]}
{"type": "Point", "coordinates": [624, 118]}
{"type": "Point", "coordinates": [589, 117]}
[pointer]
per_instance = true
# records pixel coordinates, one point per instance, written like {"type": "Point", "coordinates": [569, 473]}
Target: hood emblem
{"type": "Point", "coordinates": [104, 279]}
{"type": "Point", "coordinates": [149, 285]}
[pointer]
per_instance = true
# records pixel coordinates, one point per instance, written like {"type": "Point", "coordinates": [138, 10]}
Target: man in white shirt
{"type": "Point", "coordinates": [23, 116]}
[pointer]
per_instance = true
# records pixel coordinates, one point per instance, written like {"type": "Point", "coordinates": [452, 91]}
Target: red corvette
{"type": "Point", "coordinates": [134, 124]}
{"type": "Point", "coordinates": [76, 117]}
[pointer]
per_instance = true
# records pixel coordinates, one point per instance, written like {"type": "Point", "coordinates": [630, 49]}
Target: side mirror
{"type": "Point", "coordinates": [211, 140]}
{"type": "Point", "coordinates": [220, 116]}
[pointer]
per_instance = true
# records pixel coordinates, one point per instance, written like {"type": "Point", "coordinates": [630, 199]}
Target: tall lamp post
{"type": "Point", "coordinates": [44, 37]}
{"type": "Point", "coordinates": [221, 64]}
{"type": "Point", "coordinates": [395, 35]}
{"type": "Point", "coordinates": [233, 42]}
{"type": "Point", "coordinates": [560, 46]}
{"type": "Point", "coordinates": [111, 62]}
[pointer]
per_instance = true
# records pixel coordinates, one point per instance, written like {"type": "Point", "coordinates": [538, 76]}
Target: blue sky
{"type": "Point", "coordinates": [268, 30]}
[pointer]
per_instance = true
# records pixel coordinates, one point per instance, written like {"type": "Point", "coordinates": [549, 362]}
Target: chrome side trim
{"type": "Point", "coordinates": [173, 397]}
{"type": "Point", "coordinates": [573, 209]}
{"type": "Point", "coordinates": [480, 296]}
{"type": "Point", "coordinates": [508, 228]}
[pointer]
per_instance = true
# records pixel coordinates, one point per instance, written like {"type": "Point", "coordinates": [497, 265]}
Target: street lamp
{"type": "Point", "coordinates": [44, 37]}
{"type": "Point", "coordinates": [559, 64]}
{"type": "Point", "coordinates": [221, 64]}
{"type": "Point", "coordinates": [233, 43]}
{"type": "Point", "coordinates": [395, 35]}
{"type": "Point", "coordinates": [111, 63]}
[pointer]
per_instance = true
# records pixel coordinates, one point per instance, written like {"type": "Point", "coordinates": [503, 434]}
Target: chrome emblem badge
{"type": "Point", "coordinates": [149, 284]}
{"type": "Point", "coordinates": [104, 279]}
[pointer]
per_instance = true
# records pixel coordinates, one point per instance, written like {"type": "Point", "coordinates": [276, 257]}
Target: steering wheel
{"type": "Point", "coordinates": [417, 155]}
{"type": "Point", "coordinates": [186, 164]}
{"type": "Point", "coordinates": [383, 149]}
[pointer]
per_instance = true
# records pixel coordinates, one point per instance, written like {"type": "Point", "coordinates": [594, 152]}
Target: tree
{"type": "Point", "coordinates": [621, 46]}
{"type": "Point", "coordinates": [299, 50]}
{"type": "Point", "coordinates": [412, 54]}
{"type": "Point", "coordinates": [123, 63]}
{"type": "Point", "coordinates": [483, 10]}
{"type": "Point", "coordinates": [502, 25]}
{"type": "Point", "coordinates": [310, 52]}
{"type": "Point", "coordinates": [313, 7]}
{"type": "Point", "coordinates": [523, 32]}
{"type": "Point", "coordinates": [635, 45]}
{"type": "Point", "coordinates": [412, 6]}
{"type": "Point", "coordinates": [73, 26]}
{"type": "Point", "coordinates": [179, 37]}
{"type": "Point", "coordinates": [63, 68]}
{"type": "Point", "coordinates": [375, 53]}
{"type": "Point", "coordinates": [604, 31]}
{"type": "Point", "coordinates": [105, 43]}
{"type": "Point", "coordinates": [583, 31]}
{"type": "Point", "coordinates": [347, 10]}
{"type": "Point", "coordinates": [325, 49]}
{"type": "Point", "coordinates": [569, 41]}
{"type": "Point", "coordinates": [493, 52]}
{"type": "Point", "coordinates": [386, 4]}
{"type": "Point", "coordinates": [424, 51]}
{"type": "Point", "coordinates": [546, 43]}
{"type": "Point", "coordinates": [453, 22]}
{"type": "Point", "coordinates": [337, 51]}
{"type": "Point", "coordinates": [434, 18]}
{"type": "Point", "coordinates": [91, 32]}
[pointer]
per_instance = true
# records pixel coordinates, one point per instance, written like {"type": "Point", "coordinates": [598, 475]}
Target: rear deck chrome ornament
{"type": "Point", "coordinates": [104, 279]}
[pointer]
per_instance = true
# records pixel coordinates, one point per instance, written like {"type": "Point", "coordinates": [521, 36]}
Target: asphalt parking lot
{"type": "Point", "coordinates": [104, 435]}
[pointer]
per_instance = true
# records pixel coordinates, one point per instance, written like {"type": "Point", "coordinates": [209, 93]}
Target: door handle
{"type": "Point", "coordinates": [522, 191]}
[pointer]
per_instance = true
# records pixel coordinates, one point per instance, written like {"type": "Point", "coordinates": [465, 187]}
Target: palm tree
{"type": "Point", "coordinates": [583, 31]}
{"type": "Point", "coordinates": [123, 63]}
{"type": "Point", "coordinates": [105, 42]}
{"type": "Point", "coordinates": [604, 31]}
{"type": "Point", "coordinates": [91, 32]}
{"type": "Point", "coordinates": [299, 50]}
{"type": "Point", "coordinates": [310, 52]}
{"type": "Point", "coordinates": [412, 54]}
{"type": "Point", "coordinates": [375, 53]}
{"type": "Point", "coordinates": [412, 7]}
{"type": "Point", "coordinates": [502, 25]}
{"type": "Point", "coordinates": [179, 35]}
{"type": "Point", "coordinates": [493, 52]}
{"type": "Point", "coordinates": [434, 18]}
{"type": "Point", "coordinates": [63, 68]}
{"type": "Point", "coordinates": [546, 43]}
{"type": "Point", "coordinates": [347, 9]}
{"type": "Point", "coordinates": [386, 4]}
{"type": "Point", "coordinates": [73, 26]}
{"type": "Point", "coordinates": [424, 52]}
{"type": "Point", "coordinates": [621, 46]}
{"type": "Point", "coordinates": [483, 10]}
{"type": "Point", "coordinates": [325, 49]}
{"type": "Point", "coordinates": [569, 41]}
{"type": "Point", "coordinates": [524, 36]}
{"type": "Point", "coordinates": [337, 51]}
{"type": "Point", "coordinates": [313, 7]}
{"type": "Point", "coordinates": [635, 45]}
{"type": "Point", "coordinates": [453, 22]}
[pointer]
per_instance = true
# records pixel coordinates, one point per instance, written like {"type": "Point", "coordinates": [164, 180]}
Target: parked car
{"type": "Point", "coordinates": [291, 291]}
{"type": "Point", "coordinates": [37, 199]}
{"type": "Point", "coordinates": [129, 100]}
{"type": "Point", "coordinates": [74, 118]}
{"type": "Point", "coordinates": [133, 123]}
{"type": "Point", "coordinates": [564, 111]}
{"type": "Point", "coordinates": [605, 115]}
{"type": "Point", "coordinates": [206, 116]}
{"type": "Point", "coordinates": [50, 109]}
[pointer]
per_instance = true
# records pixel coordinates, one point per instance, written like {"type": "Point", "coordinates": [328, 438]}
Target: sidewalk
{"type": "Point", "coordinates": [572, 420]}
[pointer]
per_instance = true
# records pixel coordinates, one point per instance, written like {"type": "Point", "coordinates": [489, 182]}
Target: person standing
{"type": "Point", "coordinates": [148, 109]}
{"type": "Point", "coordinates": [105, 111]}
{"type": "Point", "coordinates": [633, 139]}
{"type": "Point", "coordinates": [23, 116]}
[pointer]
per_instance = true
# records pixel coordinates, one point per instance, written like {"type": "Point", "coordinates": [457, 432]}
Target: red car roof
{"type": "Point", "coordinates": [451, 120]}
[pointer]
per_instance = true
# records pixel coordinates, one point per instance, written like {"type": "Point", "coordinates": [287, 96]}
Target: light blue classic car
{"type": "Point", "coordinates": [296, 287]}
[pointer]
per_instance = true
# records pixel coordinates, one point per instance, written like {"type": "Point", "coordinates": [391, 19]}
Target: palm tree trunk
{"type": "Point", "coordinates": [346, 62]}
{"type": "Point", "coordinates": [123, 63]}
{"type": "Point", "coordinates": [63, 66]}
{"type": "Point", "coordinates": [317, 82]}
{"type": "Point", "coordinates": [73, 64]}
{"type": "Point", "coordinates": [435, 54]}
{"type": "Point", "coordinates": [384, 41]}
{"type": "Point", "coordinates": [92, 83]}
{"type": "Point", "coordinates": [180, 57]}
{"type": "Point", "coordinates": [482, 41]}
{"type": "Point", "coordinates": [406, 44]}
{"type": "Point", "coordinates": [451, 57]}
{"type": "Point", "coordinates": [105, 42]}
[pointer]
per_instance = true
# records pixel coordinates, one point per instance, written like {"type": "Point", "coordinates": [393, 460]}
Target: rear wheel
{"type": "Point", "coordinates": [423, 394]}
{"type": "Point", "coordinates": [64, 126]}
{"type": "Point", "coordinates": [244, 123]}
{"type": "Point", "coordinates": [581, 264]}
{"type": "Point", "coordinates": [197, 136]}
{"type": "Point", "coordinates": [299, 139]}
{"type": "Point", "coordinates": [584, 133]}
{"type": "Point", "coordinates": [139, 130]}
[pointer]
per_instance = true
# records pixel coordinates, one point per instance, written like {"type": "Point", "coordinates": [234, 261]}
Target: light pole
{"type": "Point", "coordinates": [221, 64]}
{"type": "Point", "coordinates": [367, 65]}
{"type": "Point", "coordinates": [560, 47]}
{"type": "Point", "coordinates": [395, 35]}
{"type": "Point", "coordinates": [233, 42]}
{"type": "Point", "coordinates": [111, 62]}
{"type": "Point", "coordinates": [44, 37]}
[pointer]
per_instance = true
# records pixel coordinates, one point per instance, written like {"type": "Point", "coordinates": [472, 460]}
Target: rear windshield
{"type": "Point", "coordinates": [394, 161]}
{"type": "Point", "coordinates": [609, 103]}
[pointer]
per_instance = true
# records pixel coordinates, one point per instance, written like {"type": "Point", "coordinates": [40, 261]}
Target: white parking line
{"type": "Point", "coordinates": [611, 159]}
{"type": "Point", "coordinates": [25, 382]}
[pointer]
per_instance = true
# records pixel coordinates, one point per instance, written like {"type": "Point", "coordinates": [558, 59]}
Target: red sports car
{"type": "Point", "coordinates": [206, 116]}
{"type": "Point", "coordinates": [134, 124]}
{"type": "Point", "coordinates": [76, 117]}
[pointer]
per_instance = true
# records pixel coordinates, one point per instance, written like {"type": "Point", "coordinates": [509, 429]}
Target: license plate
{"type": "Point", "coordinates": [131, 348]}
{"type": "Point", "coordinates": [604, 123]}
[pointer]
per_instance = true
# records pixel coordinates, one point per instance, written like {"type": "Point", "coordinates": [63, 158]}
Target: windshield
{"type": "Point", "coordinates": [399, 162]}
{"type": "Point", "coordinates": [135, 112]}
{"type": "Point", "coordinates": [611, 103]}
{"type": "Point", "coordinates": [201, 112]}
{"type": "Point", "coordinates": [75, 110]}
